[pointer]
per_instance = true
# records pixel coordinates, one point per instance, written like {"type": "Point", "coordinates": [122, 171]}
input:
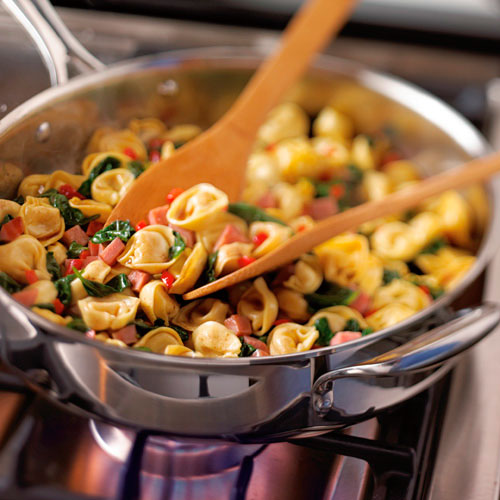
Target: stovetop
{"type": "Point", "coordinates": [442, 444]}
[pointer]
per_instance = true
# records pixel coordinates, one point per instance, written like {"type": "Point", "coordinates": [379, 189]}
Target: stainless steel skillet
{"type": "Point", "coordinates": [245, 399]}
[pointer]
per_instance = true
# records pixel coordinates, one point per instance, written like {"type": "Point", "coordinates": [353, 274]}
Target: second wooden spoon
{"type": "Point", "coordinates": [465, 175]}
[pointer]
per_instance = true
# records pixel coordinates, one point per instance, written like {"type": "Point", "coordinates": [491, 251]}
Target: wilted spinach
{"type": "Point", "coordinates": [178, 247]}
{"type": "Point", "coordinates": [250, 213]}
{"type": "Point", "coordinates": [52, 266]}
{"type": "Point", "coordinates": [96, 289]}
{"type": "Point", "coordinates": [10, 284]}
{"type": "Point", "coordinates": [118, 229]}
{"type": "Point", "coordinates": [109, 163]}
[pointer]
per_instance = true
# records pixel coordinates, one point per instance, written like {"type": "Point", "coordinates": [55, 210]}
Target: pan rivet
{"type": "Point", "coordinates": [168, 87]}
{"type": "Point", "coordinates": [3, 108]}
{"type": "Point", "coordinates": [43, 132]}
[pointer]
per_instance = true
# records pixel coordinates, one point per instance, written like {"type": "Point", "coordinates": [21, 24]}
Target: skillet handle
{"type": "Point", "coordinates": [57, 46]}
{"type": "Point", "coordinates": [425, 352]}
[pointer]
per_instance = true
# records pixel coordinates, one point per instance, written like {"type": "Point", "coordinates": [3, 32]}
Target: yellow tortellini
{"type": "Point", "coordinates": [192, 264]}
{"type": "Point", "coordinates": [32, 185]}
{"type": "Point", "coordinates": [296, 158]}
{"type": "Point", "coordinates": [112, 185]}
{"type": "Point", "coordinates": [148, 249]}
{"type": "Point", "coordinates": [229, 255]}
{"type": "Point", "coordinates": [400, 292]}
{"type": "Point", "coordinates": [292, 304]}
{"type": "Point", "coordinates": [200, 311]}
{"type": "Point", "coordinates": [285, 121]}
{"type": "Point", "coordinates": [90, 208]}
{"type": "Point", "coordinates": [60, 177]}
{"type": "Point", "coordinates": [337, 316]}
{"type": "Point", "coordinates": [97, 271]}
{"type": "Point", "coordinates": [92, 160]}
{"type": "Point", "coordinates": [159, 339]}
{"type": "Point", "coordinates": [47, 292]}
{"type": "Point", "coordinates": [376, 185]}
{"type": "Point", "coordinates": [8, 207]}
{"type": "Point", "coordinates": [401, 172]}
{"type": "Point", "coordinates": [288, 338]}
{"type": "Point", "coordinates": [396, 241]}
{"type": "Point", "coordinates": [331, 123]}
{"type": "Point", "coordinates": [182, 133]}
{"type": "Point", "coordinates": [52, 316]}
{"type": "Point", "coordinates": [179, 350]}
{"type": "Point", "coordinates": [362, 153]}
{"type": "Point", "coordinates": [41, 220]}
{"type": "Point", "coordinates": [157, 303]}
{"type": "Point", "coordinates": [259, 305]}
{"type": "Point", "coordinates": [262, 169]}
{"type": "Point", "coordinates": [118, 141]}
{"type": "Point", "coordinates": [389, 315]}
{"type": "Point", "coordinates": [58, 251]}
{"type": "Point", "coordinates": [23, 254]}
{"type": "Point", "coordinates": [194, 208]}
{"type": "Point", "coordinates": [108, 313]}
{"type": "Point", "coordinates": [211, 339]}
{"type": "Point", "coordinates": [307, 275]}
{"type": "Point", "coordinates": [147, 128]}
{"type": "Point", "coordinates": [276, 235]}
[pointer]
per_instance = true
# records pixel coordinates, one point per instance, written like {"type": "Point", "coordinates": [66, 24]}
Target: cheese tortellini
{"type": "Point", "coordinates": [157, 303]}
{"type": "Point", "coordinates": [112, 185]}
{"type": "Point", "coordinates": [41, 220]}
{"type": "Point", "coordinates": [211, 339]}
{"type": "Point", "coordinates": [288, 338]}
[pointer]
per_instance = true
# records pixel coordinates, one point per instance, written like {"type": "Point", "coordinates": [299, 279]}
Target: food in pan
{"type": "Point", "coordinates": [122, 285]}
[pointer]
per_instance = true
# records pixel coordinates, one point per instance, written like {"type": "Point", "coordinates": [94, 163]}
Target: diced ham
{"type": "Point", "coordinates": [230, 234]}
{"type": "Point", "coordinates": [341, 337]}
{"type": "Point", "coordinates": [93, 227]}
{"type": "Point", "coordinates": [238, 324]}
{"type": "Point", "coordinates": [267, 200]}
{"type": "Point", "coordinates": [111, 253]}
{"type": "Point", "coordinates": [362, 303]}
{"type": "Point", "coordinates": [258, 344]}
{"type": "Point", "coordinates": [89, 259]}
{"type": "Point", "coordinates": [259, 353]}
{"type": "Point", "coordinates": [91, 334]}
{"type": "Point", "coordinates": [321, 208]}
{"type": "Point", "coordinates": [26, 297]}
{"type": "Point", "coordinates": [188, 236]}
{"type": "Point", "coordinates": [158, 215]}
{"type": "Point", "coordinates": [76, 233]}
{"type": "Point", "coordinates": [93, 248]}
{"type": "Point", "coordinates": [127, 334]}
{"type": "Point", "coordinates": [138, 279]}
{"type": "Point", "coordinates": [12, 229]}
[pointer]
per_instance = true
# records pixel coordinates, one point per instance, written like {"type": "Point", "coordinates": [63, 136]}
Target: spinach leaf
{"type": "Point", "coordinates": [52, 266]}
{"type": "Point", "coordinates": [78, 324]}
{"type": "Point", "coordinates": [50, 307]}
{"type": "Point", "coordinates": [324, 330]}
{"type": "Point", "coordinates": [246, 349]}
{"type": "Point", "coordinates": [263, 338]}
{"type": "Point", "coordinates": [366, 331]}
{"type": "Point", "coordinates": [210, 272]}
{"type": "Point", "coordinates": [436, 291]}
{"type": "Point", "coordinates": [143, 348]}
{"type": "Point", "coordinates": [183, 334]}
{"type": "Point", "coordinates": [72, 216]}
{"type": "Point", "coordinates": [355, 173]}
{"type": "Point", "coordinates": [63, 287]}
{"type": "Point", "coordinates": [10, 284]}
{"type": "Point", "coordinates": [6, 219]}
{"type": "Point", "coordinates": [389, 275]}
{"type": "Point", "coordinates": [118, 229]}
{"type": "Point", "coordinates": [352, 325]}
{"type": "Point", "coordinates": [142, 327]}
{"type": "Point", "coordinates": [136, 167]}
{"type": "Point", "coordinates": [96, 289]}
{"type": "Point", "coordinates": [75, 249]}
{"type": "Point", "coordinates": [178, 247]}
{"type": "Point", "coordinates": [19, 199]}
{"type": "Point", "coordinates": [434, 246]}
{"type": "Point", "coordinates": [109, 163]}
{"type": "Point", "coordinates": [250, 213]}
{"type": "Point", "coordinates": [330, 295]}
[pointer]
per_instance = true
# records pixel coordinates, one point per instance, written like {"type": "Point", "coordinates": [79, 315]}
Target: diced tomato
{"type": "Point", "coordinates": [391, 156]}
{"type": "Point", "coordinates": [168, 279]}
{"type": "Point", "coordinates": [341, 337]}
{"type": "Point", "coordinates": [70, 192]}
{"type": "Point", "coordinates": [321, 208]}
{"type": "Point", "coordinates": [301, 228]}
{"type": "Point", "coordinates": [426, 290]}
{"type": "Point", "coordinates": [188, 236]}
{"type": "Point", "coordinates": [12, 229]}
{"type": "Point", "coordinates": [141, 225]}
{"type": "Point", "coordinates": [90, 334]}
{"type": "Point", "coordinates": [127, 334]}
{"type": "Point", "coordinates": [267, 200]}
{"type": "Point", "coordinates": [84, 254]}
{"type": "Point", "coordinates": [259, 353]}
{"type": "Point", "coordinates": [238, 324]}
{"type": "Point", "coordinates": [281, 321]}
{"type": "Point", "coordinates": [370, 312]}
{"type": "Point", "coordinates": [111, 253]}
{"type": "Point", "coordinates": [89, 259]}
{"type": "Point", "coordinates": [259, 238]}
{"type": "Point", "coordinates": [93, 227]}
{"type": "Point", "coordinates": [337, 191]}
{"type": "Point", "coordinates": [362, 303]}
{"type": "Point", "coordinates": [158, 215]}
{"type": "Point", "coordinates": [172, 195]}
{"type": "Point", "coordinates": [258, 344]}
{"type": "Point", "coordinates": [230, 234]}
{"type": "Point", "coordinates": [58, 306]}
{"type": "Point", "coordinates": [93, 248]}
{"type": "Point", "coordinates": [130, 153]}
{"type": "Point", "coordinates": [69, 264]}
{"type": "Point", "coordinates": [270, 147]}
{"type": "Point", "coordinates": [31, 276]}
{"type": "Point", "coordinates": [246, 260]}
{"type": "Point", "coordinates": [26, 297]}
{"type": "Point", "coordinates": [138, 279]}
{"type": "Point", "coordinates": [154, 156]}
{"type": "Point", "coordinates": [76, 233]}
{"type": "Point", "coordinates": [156, 143]}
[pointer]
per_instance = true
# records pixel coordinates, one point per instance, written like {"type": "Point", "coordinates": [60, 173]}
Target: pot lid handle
{"type": "Point", "coordinates": [57, 46]}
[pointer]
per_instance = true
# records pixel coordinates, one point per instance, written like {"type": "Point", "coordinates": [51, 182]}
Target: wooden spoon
{"type": "Point", "coordinates": [219, 155]}
{"type": "Point", "coordinates": [465, 175]}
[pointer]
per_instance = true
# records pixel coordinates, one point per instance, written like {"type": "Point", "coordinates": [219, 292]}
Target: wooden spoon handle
{"type": "Point", "coordinates": [308, 32]}
{"type": "Point", "coordinates": [465, 175]}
